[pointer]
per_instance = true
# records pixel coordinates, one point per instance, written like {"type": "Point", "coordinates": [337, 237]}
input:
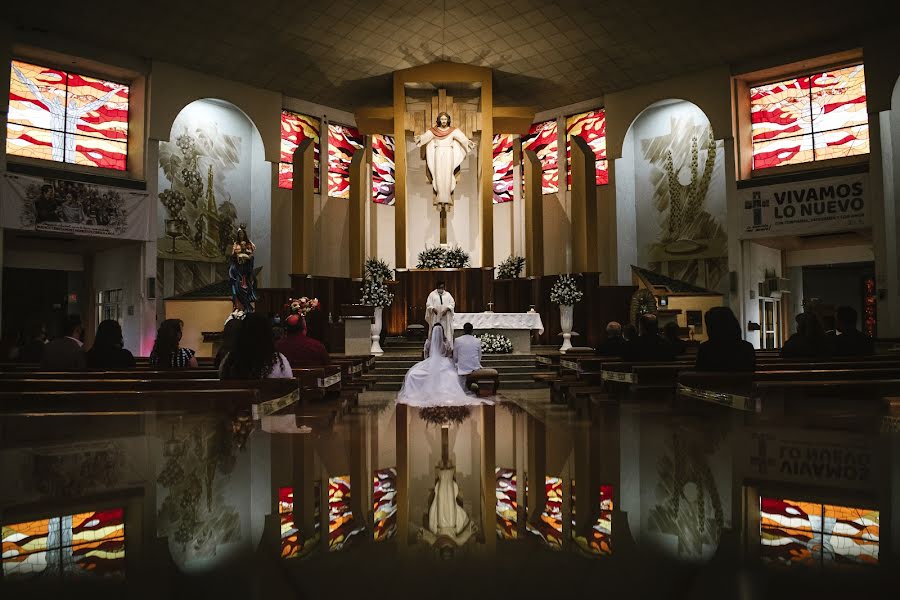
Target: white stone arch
{"type": "Point", "coordinates": [641, 181]}
{"type": "Point", "coordinates": [234, 147]}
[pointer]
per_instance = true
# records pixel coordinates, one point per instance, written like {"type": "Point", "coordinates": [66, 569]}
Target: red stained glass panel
{"type": "Point", "coordinates": [383, 169]}
{"type": "Point", "coordinates": [295, 128]}
{"type": "Point", "coordinates": [67, 117]}
{"type": "Point", "coordinates": [542, 140]}
{"type": "Point", "coordinates": [343, 142]}
{"type": "Point", "coordinates": [816, 117]}
{"type": "Point", "coordinates": [591, 127]}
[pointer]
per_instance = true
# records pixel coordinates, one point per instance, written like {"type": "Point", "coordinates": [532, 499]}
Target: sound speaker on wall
{"type": "Point", "coordinates": [151, 288]}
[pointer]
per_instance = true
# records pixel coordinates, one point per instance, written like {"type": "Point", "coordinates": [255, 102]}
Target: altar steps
{"type": "Point", "coordinates": [516, 370]}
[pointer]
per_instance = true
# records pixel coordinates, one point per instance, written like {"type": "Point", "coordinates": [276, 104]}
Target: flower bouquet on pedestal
{"type": "Point", "coordinates": [565, 292]}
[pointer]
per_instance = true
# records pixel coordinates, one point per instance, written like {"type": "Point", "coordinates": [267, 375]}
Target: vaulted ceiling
{"type": "Point", "coordinates": [544, 53]}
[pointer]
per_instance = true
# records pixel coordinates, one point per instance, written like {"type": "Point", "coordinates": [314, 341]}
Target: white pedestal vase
{"type": "Point", "coordinates": [565, 323]}
{"type": "Point", "coordinates": [376, 332]}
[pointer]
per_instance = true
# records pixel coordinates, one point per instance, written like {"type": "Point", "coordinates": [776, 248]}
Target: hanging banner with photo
{"type": "Point", "coordinates": [806, 207]}
{"type": "Point", "coordinates": [73, 207]}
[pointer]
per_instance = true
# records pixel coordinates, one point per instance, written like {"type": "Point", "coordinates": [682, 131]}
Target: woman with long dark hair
{"type": "Point", "coordinates": [167, 352]}
{"type": "Point", "coordinates": [254, 355]}
{"type": "Point", "coordinates": [725, 350]}
{"type": "Point", "coordinates": [107, 351]}
{"type": "Point", "coordinates": [229, 338]}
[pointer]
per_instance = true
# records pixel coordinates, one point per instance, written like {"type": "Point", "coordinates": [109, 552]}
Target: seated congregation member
{"type": "Point", "coordinates": [254, 355]}
{"type": "Point", "coordinates": [725, 350]}
{"type": "Point", "coordinates": [848, 340]}
{"type": "Point", "coordinates": [629, 332]}
{"type": "Point", "coordinates": [614, 344]}
{"type": "Point", "coordinates": [300, 349]}
{"type": "Point", "coordinates": [107, 351]}
{"type": "Point", "coordinates": [648, 346]}
{"type": "Point", "coordinates": [167, 352]}
{"type": "Point", "coordinates": [66, 353]}
{"type": "Point", "coordinates": [672, 334]}
{"type": "Point", "coordinates": [229, 337]}
{"type": "Point", "coordinates": [36, 338]}
{"type": "Point", "coordinates": [810, 340]}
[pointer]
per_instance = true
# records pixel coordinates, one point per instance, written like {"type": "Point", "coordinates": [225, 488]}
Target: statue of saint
{"type": "Point", "coordinates": [240, 272]}
{"type": "Point", "coordinates": [445, 149]}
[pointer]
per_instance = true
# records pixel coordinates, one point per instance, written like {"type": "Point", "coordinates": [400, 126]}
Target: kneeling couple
{"type": "Point", "coordinates": [439, 379]}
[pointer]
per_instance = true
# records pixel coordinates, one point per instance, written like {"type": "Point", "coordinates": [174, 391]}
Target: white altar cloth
{"type": "Point", "coordinates": [485, 320]}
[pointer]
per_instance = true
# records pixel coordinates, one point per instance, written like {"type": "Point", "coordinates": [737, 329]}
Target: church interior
{"type": "Point", "coordinates": [345, 297]}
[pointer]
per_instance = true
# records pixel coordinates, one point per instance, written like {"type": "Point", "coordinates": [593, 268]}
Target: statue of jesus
{"type": "Point", "coordinates": [445, 149]}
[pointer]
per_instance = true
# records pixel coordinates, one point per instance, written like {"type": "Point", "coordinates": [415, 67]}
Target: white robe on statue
{"type": "Point", "coordinates": [439, 309]}
{"type": "Point", "coordinates": [444, 152]}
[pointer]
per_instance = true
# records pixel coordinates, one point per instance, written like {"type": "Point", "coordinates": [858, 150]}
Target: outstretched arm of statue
{"type": "Point", "coordinates": [421, 140]}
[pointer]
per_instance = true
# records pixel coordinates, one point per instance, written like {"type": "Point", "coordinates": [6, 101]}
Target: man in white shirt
{"type": "Point", "coordinates": [467, 353]}
{"type": "Point", "coordinates": [439, 309]}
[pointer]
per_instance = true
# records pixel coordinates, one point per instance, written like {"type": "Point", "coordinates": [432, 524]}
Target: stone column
{"type": "Point", "coordinates": [534, 215]}
{"type": "Point", "coordinates": [358, 186]}
{"type": "Point", "coordinates": [302, 209]}
{"type": "Point", "coordinates": [585, 238]}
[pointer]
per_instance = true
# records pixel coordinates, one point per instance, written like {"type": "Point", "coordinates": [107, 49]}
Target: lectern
{"type": "Point", "coordinates": [358, 319]}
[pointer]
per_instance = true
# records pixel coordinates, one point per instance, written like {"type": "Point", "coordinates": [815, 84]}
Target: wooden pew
{"type": "Point", "coordinates": [261, 397]}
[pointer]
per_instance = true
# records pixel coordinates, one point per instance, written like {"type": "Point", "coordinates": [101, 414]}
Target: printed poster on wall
{"type": "Point", "coordinates": [73, 207]}
{"type": "Point", "coordinates": [806, 207]}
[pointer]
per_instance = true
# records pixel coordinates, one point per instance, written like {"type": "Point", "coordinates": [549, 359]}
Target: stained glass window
{"type": "Point", "coordinates": [541, 138]}
{"type": "Point", "coordinates": [383, 169]}
{"type": "Point", "coordinates": [343, 142]}
{"type": "Point", "coordinates": [294, 129]}
{"type": "Point", "coordinates": [503, 167]}
{"type": "Point", "coordinates": [816, 117]}
{"type": "Point", "coordinates": [293, 543]}
{"type": "Point", "coordinates": [67, 117]}
{"type": "Point", "coordinates": [90, 543]}
{"type": "Point", "coordinates": [795, 532]}
{"type": "Point", "coordinates": [385, 504]}
{"type": "Point", "coordinates": [591, 127]}
{"type": "Point", "coordinates": [507, 504]}
{"type": "Point", "coordinates": [341, 525]}
{"type": "Point", "coordinates": [599, 540]}
{"type": "Point", "coordinates": [550, 527]}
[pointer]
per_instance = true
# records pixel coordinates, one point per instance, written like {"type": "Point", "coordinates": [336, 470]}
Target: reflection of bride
{"type": "Point", "coordinates": [434, 381]}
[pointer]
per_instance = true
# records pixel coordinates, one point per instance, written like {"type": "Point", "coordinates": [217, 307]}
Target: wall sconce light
{"type": "Point", "coordinates": [663, 300]}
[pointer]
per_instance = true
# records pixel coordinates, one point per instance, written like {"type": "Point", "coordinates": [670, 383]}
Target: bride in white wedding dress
{"type": "Point", "coordinates": [434, 381]}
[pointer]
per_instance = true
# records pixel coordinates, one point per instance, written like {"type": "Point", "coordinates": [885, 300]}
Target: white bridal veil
{"type": "Point", "coordinates": [434, 381]}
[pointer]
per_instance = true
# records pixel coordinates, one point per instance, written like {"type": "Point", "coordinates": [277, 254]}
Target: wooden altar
{"type": "Point", "coordinates": [471, 289]}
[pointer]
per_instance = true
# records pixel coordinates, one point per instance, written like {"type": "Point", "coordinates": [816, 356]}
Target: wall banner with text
{"type": "Point", "coordinates": [73, 207]}
{"type": "Point", "coordinates": [806, 207]}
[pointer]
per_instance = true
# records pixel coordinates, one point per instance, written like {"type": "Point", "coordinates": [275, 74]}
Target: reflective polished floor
{"type": "Point", "coordinates": [523, 499]}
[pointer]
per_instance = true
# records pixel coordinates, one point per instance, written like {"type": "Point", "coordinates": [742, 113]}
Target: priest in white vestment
{"type": "Point", "coordinates": [439, 309]}
{"type": "Point", "coordinates": [445, 149]}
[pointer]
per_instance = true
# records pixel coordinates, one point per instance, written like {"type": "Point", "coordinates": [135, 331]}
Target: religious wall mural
{"type": "Point", "coordinates": [680, 196]}
{"type": "Point", "coordinates": [205, 182]}
{"type": "Point", "coordinates": [198, 488]}
{"type": "Point", "coordinates": [689, 510]}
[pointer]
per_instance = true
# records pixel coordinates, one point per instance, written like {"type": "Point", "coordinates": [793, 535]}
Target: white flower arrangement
{"type": "Point", "coordinates": [565, 291]}
{"type": "Point", "coordinates": [377, 270]}
{"type": "Point", "coordinates": [442, 258]}
{"type": "Point", "coordinates": [376, 293]}
{"type": "Point", "coordinates": [495, 343]}
{"type": "Point", "coordinates": [511, 267]}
